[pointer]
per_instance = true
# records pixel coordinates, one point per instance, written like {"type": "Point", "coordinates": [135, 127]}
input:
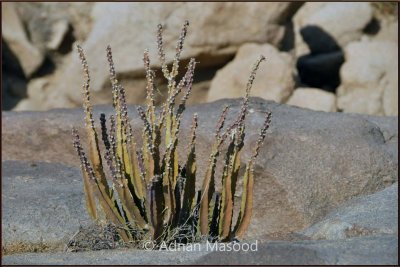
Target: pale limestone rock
{"type": "Point", "coordinates": [59, 29]}
{"type": "Point", "coordinates": [215, 33]}
{"type": "Point", "coordinates": [274, 80]}
{"type": "Point", "coordinates": [369, 78]}
{"type": "Point", "coordinates": [313, 98]}
{"type": "Point", "coordinates": [342, 21]}
{"type": "Point", "coordinates": [14, 34]}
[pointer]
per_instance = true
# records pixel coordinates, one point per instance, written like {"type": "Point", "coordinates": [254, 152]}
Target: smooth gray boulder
{"type": "Point", "coordinates": [311, 162]}
{"type": "Point", "coordinates": [105, 257]}
{"type": "Point", "coordinates": [42, 205]}
{"type": "Point", "coordinates": [373, 214]}
{"type": "Point", "coordinates": [361, 250]}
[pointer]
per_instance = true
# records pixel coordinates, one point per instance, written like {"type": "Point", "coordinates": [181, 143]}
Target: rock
{"type": "Point", "coordinates": [368, 76]}
{"type": "Point", "coordinates": [274, 80]}
{"type": "Point", "coordinates": [388, 32]}
{"type": "Point", "coordinates": [43, 205]}
{"type": "Point", "coordinates": [311, 162]}
{"type": "Point", "coordinates": [391, 94]}
{"type": "Point", "coordinates": [37, 92]}
{"type": "Point", "coordinates": [14, 34]}
{"type": "Point", "coordinates": [9, 100]}
{"type": "Point", "coordinates": [344, 22]}
{"type": "Point", "coordinates": [47, 21]}
{"type": "Point", "coordinates": [378, 250]}
{"type": "Point", "coordinates": [386, 127]}
{"type": "Point", "coordinates": [318, 41]}
{"type": "Point", "coordinates": [27, 104]}
{"type": "Point", "coordinates": [15, 85]}
{"type": "Point", "coordinates": [322, 70]}
{"type": "Point", "coordinates": [199, 93]}
{"type": "Point", "coordinates": [313, 98]}
{"type": "Point", "coordinates": [360, 100]}
{"type": "Point", "coordinates": [14, 82]}
{"type": "Point", "coordinates": [367, 250]}
{"type": "Point", "coordinates": [107, 257]}
{"type": "Point", "coordinates": [59, 30]}
{"type": "Point", "coordinates": [130, 28]}
{"type": "Point", "coordinates": [385, 22]}
{"type": "Point", "coordinates": [372, 214]}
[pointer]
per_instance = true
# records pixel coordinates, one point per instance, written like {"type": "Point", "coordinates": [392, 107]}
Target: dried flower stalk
{"type": "Point", "coordinates": [156, 191]}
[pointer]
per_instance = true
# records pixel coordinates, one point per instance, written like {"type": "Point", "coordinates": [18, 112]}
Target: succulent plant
{"type": "Point", "coordinates": [148, 191]}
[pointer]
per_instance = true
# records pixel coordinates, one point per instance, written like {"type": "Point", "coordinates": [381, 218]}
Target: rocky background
{"type": "Point", "coordinates": [321, 56]}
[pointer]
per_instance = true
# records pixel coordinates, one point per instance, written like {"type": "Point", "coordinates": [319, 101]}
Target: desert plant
{"type": "Point", "coordinates": [149, 192]}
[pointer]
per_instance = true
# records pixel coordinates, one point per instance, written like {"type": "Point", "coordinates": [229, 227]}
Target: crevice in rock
{"type": "Point", "coordinates": [290, 11]}
{"type": "Point", "coordinates": [14, 80]}
{"type": "Point", "coordinates": [320, 68]}
{"type": "Point", "coordinates": [67, 42]}
{"type": "Point", "coordinates": [287, 43]}
{"type": "Point", "coordinates": [47, 67]}
{"type": "Point", "coordinates": [373, 27]}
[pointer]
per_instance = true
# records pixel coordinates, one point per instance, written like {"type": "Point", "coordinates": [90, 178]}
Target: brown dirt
{"type": "Point", "coordinates": [357, 230]}
{"type": "Point", "coordinates": [26, 248]}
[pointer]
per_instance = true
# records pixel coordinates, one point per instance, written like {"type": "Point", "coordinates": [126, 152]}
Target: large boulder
{"type": "Point", "coordinates": [368, 215]}
{"type": "Point", "coordinates": [130, 28]}
{"type": "Point", "coordinates": [358, 251]}
{"type": "Point", "coordinates": [369, 78]}
{"type": "Point", "coordinates": [343, 22]}
{"type": "Point", "coordinates": [107, 257]}
{"type": "Point", "coordinates": [313, 98]}
{"type": "Point", "coordinates": [43, 206]}
{"type": "Point", "coordinates": [311, 161]}
{"type": "Point", "coordinates": [274, 80]}
{"type": "Point", "coordinates": [61, 213]}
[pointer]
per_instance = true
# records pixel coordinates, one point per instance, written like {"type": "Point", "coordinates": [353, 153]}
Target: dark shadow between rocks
{"type": "Point", "coordinates": [320, 68]}
{"type": "Point", "coordinates": [14, 82]}
{"type": "Point", "coordinates": [67, 42]}
{"type": "Point", "coordinates": [287, 43]}
{"type": "Point", "coordinates": [373, 27]}
{"type": "Point", "coordinates": [48, 67]}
